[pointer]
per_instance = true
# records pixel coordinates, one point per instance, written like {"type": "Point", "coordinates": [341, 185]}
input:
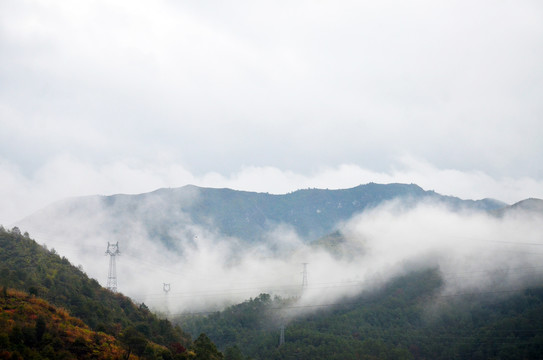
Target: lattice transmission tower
{"type": "Point", "coordinates": [304, 277]}
{"type": "Point", "coordinates": [166, 288]}
{"type": "Point", "coordinates": [282, 335]}
{"type": "Point", "coordinates": [112, 251]}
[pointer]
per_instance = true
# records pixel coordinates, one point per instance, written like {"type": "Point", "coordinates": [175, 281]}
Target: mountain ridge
{"type": "Point", "coordinates": [168, 214]}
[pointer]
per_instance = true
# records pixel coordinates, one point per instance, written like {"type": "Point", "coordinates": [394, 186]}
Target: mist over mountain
{"type": "Point", "coordinates": [525, 207]}
{"type": "Point", "coordinates": [199, 239]}
{"type": "Point", "coordinates": [438, 102]}
{"type": "Point", "coordinates": [173, 215]}
{"type": "Point", "coordinates": [216, 248]}
{"type": "Point", "coordinates": [101, 324]}
{"type": "Point", "coordinates": [406, 318]}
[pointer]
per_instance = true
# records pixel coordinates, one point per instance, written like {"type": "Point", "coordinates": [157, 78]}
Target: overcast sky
{"type": "Point", "coordinates": [104, 97]}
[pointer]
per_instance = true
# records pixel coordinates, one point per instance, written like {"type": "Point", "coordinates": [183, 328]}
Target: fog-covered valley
{"type": "Point", "coordinates": [476, 250]}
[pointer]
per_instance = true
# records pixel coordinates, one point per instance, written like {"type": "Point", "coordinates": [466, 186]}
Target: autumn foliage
{"type": "Point", "coordinates": [31, 328]}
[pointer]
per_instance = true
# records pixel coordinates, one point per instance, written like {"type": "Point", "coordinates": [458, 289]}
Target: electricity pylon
{"type": "Point", "coordinates": [112, 251]}
{"type": "Point", "coordinates": [304, 278]}
{"type": "Point", "coordinates": [166, 289]}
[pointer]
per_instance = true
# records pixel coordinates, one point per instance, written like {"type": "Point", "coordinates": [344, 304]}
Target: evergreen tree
{"type": "Point", "coordinates": [205, 349]}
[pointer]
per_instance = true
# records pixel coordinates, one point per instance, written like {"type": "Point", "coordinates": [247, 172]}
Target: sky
{"type": "Point", "coordinates": [106, 97]}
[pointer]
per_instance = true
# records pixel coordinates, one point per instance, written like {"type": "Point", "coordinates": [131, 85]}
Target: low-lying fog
{"type": "Point", "coordinates": [474, 251]}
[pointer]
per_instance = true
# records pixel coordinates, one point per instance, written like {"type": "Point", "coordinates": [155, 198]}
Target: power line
{"type": "Point", "coordinates": [366, 301]}
{"type": "Point", "coordinates": [336, 285]}
{"type": "Point", "coordinates": [513, 242]}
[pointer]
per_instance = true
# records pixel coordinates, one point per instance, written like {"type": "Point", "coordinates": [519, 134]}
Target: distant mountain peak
{"type": "Point", "coordinates": [527, 206]}
{"type": "Point", "coordinates": [168, 213]}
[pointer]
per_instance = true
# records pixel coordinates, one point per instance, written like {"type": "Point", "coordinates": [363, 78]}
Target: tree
{"type": "Point", "coordinates": [16, 335]}
{"type": "Point", "coordinates": [40, 328]}
{"type": "Point", "coordinates": [233, 353]}
{"type": "Point", "coordinates": [205, 349]}
{"type": "Point", "coordinates": [133, 341]}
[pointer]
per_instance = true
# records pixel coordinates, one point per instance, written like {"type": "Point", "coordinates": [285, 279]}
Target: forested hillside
{"type": "Point", "coordinates": [31, 328]}
{"type": "Point", "coordinates": [170, 215]}
{"type": "Point", "coordinates": [406, 319]}
{"type": "Point", "coordinates": [37, 277]}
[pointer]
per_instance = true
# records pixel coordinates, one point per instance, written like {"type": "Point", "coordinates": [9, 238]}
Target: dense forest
{"type": "Point", "coordinates": [49, 305]}
{"type": "Point", "coordinates": [406, 319]}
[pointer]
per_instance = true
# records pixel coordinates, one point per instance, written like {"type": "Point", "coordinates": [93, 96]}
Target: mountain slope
{"type": "Point", "coordinates": [406, 319]}
{"type": "Point", "coordinates": [27, 266]}
{"type": "Point", "coordinates": [34, 329]}
{"type": "Point", "coordinates": [528, 206]}
{"type": "Point", "coordinates": [168, 215]}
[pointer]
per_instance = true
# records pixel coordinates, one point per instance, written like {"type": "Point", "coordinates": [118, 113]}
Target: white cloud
{"type": "Point", "coordinates": [67, 176]}
{"type": "Point", "coordinates": [299, 87]}
{"type": "Point", "coordinates": [473, 251]}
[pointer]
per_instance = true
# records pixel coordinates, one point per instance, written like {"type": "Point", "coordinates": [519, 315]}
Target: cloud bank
{"type": "Point", "coordinates": [474, 252]}
{"type": "Point", "coordinates": [67, 176]}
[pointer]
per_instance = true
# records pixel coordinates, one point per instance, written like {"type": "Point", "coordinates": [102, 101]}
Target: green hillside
{"type": "Point", "coordinates": [406, 319]}
{"type": "Point", "coordinates": [46, 278]}
{"type": "Point", "coordinates": [169, 215]}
